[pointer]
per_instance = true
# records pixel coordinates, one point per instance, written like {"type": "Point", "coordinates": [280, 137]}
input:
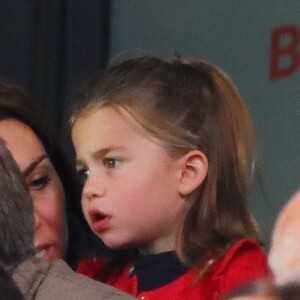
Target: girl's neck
{"type": "Point", "coordinates": [160, 246]}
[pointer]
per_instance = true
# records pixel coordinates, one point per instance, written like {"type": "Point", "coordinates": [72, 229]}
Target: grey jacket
{"type": "Point", "coordinates": [41, 280]}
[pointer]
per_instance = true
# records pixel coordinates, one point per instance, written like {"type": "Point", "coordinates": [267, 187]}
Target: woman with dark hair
{"type": "Point", "coordinates": [50, 178]}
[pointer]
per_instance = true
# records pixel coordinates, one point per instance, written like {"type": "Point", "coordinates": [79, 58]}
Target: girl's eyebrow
{"type": "Point", "coordinates": [80, 163]}
{"type": "Point", "coordinates": [102, 152]}
{"type": "Point", "coordinates": [34, 164]}
{"type": "Point", "coordinates": [98, 154]}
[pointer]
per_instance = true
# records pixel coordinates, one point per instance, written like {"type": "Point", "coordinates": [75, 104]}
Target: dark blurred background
{"type": "Point", "coordinates": [49, 47]}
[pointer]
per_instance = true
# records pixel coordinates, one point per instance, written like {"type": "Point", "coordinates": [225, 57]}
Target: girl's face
{"type": "Point", "coordinates": [44, 186]}
{"type": "Point", "coordinates": [130, 195]}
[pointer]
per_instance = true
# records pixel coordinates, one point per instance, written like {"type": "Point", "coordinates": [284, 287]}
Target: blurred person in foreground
{"type": "Point", "coordinates": [8, 288]}
{"type": "Point", "coordinates": [265, 290]}
{"type": "Point", "coordinates": [284, 256]}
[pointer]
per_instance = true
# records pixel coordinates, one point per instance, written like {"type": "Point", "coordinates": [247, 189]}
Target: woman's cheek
{"type": "Point", "coordinates": [49, 205]}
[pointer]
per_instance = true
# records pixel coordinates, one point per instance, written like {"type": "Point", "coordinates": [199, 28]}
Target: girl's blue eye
{"type": "Point", "coordinates": [83, 175]}
{"type": "Point", "coordinates": [110, 162]}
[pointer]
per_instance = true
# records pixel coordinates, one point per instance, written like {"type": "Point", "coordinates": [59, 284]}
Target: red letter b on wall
{"type": "Point", "coordinates": [284, 58]}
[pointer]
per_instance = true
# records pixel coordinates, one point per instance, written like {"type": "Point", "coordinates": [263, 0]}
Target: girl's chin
{"type": "Point", "coordinates": [118, 245]}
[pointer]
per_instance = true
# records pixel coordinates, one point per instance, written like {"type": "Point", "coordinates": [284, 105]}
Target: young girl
{"type": "Point", "coordinates": [166, 150]}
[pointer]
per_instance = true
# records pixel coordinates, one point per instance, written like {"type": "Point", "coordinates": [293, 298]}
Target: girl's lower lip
{"type": "Point", "coordinates": [101, 225]}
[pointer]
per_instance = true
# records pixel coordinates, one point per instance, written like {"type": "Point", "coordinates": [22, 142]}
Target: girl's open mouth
{"type": "Point", "coordinates": [99, 221]}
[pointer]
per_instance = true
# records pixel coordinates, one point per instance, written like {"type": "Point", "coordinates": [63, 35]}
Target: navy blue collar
{"type": "Point", "coordinates": [156, 270]}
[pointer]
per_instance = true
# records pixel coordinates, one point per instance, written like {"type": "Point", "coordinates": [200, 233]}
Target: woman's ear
{"type": "Point", "coordinates": [194, 168]}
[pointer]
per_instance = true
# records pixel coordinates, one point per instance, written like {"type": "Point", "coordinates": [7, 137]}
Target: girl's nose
{"type": "Point", "coordinates": [93, 188]}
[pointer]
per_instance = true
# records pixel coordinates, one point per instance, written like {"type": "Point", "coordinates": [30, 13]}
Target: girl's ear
{"type": "Point", "coordinates": [194, 168]}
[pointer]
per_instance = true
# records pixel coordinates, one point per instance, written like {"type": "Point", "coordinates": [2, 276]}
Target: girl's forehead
{"type": "Point", "coordinates": [119, 118]}
{"type": "Point", "coordinates": [106, 124]}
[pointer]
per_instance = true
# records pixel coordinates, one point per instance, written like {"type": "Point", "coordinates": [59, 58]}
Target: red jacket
{"type": "Point", "coordinates": [244, 261]}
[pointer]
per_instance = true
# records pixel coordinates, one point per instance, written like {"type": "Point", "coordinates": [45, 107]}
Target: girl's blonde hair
{"type": "Point", "coordinates": [189, 105]}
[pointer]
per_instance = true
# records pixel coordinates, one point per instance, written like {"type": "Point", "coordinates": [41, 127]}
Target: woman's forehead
{"type": "Point", "coordinates": [23, 143]}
